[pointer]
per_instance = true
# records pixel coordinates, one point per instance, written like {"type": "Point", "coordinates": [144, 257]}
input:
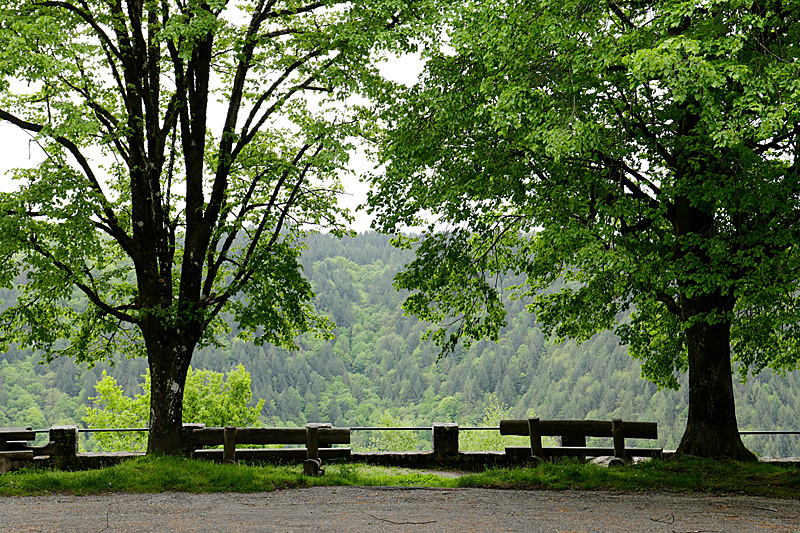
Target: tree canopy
{"type": "Point", "coordinates": [642, 153]}
{"type": "Point", "coordinates": [190, 145]}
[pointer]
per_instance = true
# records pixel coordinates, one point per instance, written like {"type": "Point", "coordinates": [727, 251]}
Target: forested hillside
{"type": "Point", "coordinates": [377, 368]}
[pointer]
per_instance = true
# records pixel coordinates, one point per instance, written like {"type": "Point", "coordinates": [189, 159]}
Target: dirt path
{"type": "Point", "coordinates": [398, 509]}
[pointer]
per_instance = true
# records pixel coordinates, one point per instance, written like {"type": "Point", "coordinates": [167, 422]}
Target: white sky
{"type": "Point", "coordinates": [18, 150]}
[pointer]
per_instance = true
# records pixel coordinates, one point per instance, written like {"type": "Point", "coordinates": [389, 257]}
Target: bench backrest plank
{"type": "Point", "coordinates": [588, 428]}
{"type": "Point", "coordinates": [215, 436]}
{"type": "Point", "coordinates": [16, 434]}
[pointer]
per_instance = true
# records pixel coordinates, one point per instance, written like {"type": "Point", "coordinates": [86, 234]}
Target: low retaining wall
{"type": "Point", "coordinates": [445, 454]}
{"type": "Point", "coordinates": [470, 461]}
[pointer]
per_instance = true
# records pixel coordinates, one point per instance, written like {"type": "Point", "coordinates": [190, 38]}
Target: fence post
{"type": "Point", "coordinates": [65, 445]}
{"type": "Point", "coordinates": [186, 439]}
{"type": "Point", "coordinates": [445, 441]}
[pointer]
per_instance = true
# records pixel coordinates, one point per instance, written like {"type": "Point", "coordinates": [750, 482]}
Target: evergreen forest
{"type": "Point", "coordinates": [378, 371]}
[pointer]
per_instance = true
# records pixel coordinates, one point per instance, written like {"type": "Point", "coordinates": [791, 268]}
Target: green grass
{"type": "Point", "coordinates": [688, 475]}
{"type": "Point", "coordinates": [159, 474]}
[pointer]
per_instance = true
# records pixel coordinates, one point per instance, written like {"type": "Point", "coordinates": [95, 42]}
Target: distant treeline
{"type": "Point", "coordinates": [377, 367]}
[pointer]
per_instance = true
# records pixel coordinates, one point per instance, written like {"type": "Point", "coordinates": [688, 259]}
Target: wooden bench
{"type": "Point", "coordinates": [573, 435]}
{"type": "Point", "coordinates": [14, 447]}
{"type": "Point", "coordinates": [317, 439]}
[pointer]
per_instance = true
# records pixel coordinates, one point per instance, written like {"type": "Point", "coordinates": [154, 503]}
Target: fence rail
{"type": "Point", "coordinates": [769, 433]}
{"type": "Point", "coordinates": [409, 428]}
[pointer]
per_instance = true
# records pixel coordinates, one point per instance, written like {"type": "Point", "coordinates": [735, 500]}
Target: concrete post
{"type": "Point", "coordinates": [445, 441]}
{"type": "Point", "coordinates": [65, 445]}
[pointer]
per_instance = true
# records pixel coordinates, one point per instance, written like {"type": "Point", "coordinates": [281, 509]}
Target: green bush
{"type": "Point", "coordinates": [209, 398]}
{"type": "Point", "coordinates": [492, 440]}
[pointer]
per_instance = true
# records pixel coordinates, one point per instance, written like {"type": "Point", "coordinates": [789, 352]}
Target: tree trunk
{"type": "Point", "coordinates": [712, 429]}
{"type": "Point", "coordinates": [169, 364]}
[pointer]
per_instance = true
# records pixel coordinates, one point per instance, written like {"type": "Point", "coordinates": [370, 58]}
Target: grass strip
{"type": "Point", "coordinates": [160, 474]}
{"type": "Point", "coordinates": [686, 475]}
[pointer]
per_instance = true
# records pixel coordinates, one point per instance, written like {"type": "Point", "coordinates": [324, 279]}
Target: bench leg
{"type": "Point", "coordinates": [534, 461]}
{"type": "Point", "coordinates": [313, 467]}
{"type": "Point", "coordinates": [618, 433]}
{"type": "Point", "coordinates": [5, 465]}
{"type": "Point", "coordinates": [536, 437]}
{"type": "Point", "coordinates": [229, 445]}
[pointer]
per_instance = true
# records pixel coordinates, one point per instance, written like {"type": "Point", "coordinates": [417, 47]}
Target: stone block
{"type": "Point", "coordinates": [445, 441]}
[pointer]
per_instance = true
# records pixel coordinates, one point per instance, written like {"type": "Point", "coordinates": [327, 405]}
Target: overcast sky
{"type": "Point", "coordinates": [18, 149]}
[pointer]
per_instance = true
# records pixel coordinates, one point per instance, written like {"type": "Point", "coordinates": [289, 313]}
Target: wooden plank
{"type": "Point", "coordinates": [275, 454]}
{"type": "Point", "coordinates": [15, 438]}
{"type": "Point", "coordinates": [645, 452]}
{"type": "Point", "coordinates": [214, 436]}
{"type": "Point", "coordinates": [327, 436]}
{"type": "Point", "coordinates": [21, 455]}
{"type": "Point", "coordinates": [576, 451]}
{"type": "Point", "coordinates": [45, 449]}
{"type": "Point", "coordinates": [588, 428]}
{"type": "Point", "coordinates": [272, 436]}
{"type": "Point", "coordinates": [207, 436]}
{"type": "Point", "coordinates": [13, 430]}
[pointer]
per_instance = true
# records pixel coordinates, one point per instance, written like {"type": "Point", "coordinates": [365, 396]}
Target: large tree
{"type": "Point", "coordinates": [637, 161]}
{"type": "Point", "coordinates": [189, 145]}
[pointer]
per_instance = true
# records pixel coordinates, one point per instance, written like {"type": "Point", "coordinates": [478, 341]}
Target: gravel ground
{"type": "Point", "coordinates": [398, 509]}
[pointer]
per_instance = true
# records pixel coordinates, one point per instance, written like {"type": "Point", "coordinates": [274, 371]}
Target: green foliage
{"type": "Point", "coordinates": [392, 440]}
{"type": "Point", "coordinates": [491, 440]}
{"type": "Point", "coordinates": [112, 409]}
{"type": "Point", "coordinates": [651, 168]}
{"type": "Point", "coordinates": [217, 401]}
{"type": "Point", "coordinates": [224, 191]}
{"type": "Point", "coordinates": [210, 398]}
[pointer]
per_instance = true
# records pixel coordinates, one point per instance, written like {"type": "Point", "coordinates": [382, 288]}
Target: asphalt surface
{"type": "Point", "coordinates": [398, 509]}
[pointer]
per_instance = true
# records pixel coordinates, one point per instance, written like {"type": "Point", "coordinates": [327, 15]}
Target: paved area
{"type": "Point", "coordinates": [398, 509]}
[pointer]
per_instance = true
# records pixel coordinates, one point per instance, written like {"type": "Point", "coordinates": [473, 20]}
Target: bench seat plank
{"type": "Point", "coordinates": [275, 454]}
{"type": "Point", "coordinates": [17, 455]}
{"type": "Point", "coordinates": [589, 451]}
{"type": "Point", "coordinates": [215, 436]}
{"type": "Point", "coordinates": [15, 438]}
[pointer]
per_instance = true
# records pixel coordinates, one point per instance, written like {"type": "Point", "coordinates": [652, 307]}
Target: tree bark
{"type": "Point", "coordinates": [712, 429]}
{"type": "Point", "coordinates": [169, 360]}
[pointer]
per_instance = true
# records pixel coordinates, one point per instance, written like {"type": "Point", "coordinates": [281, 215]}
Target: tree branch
{"type": "Point", "coordinates": [88, 19]}
{"type": "Point", "coordinates": [88, 291]}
